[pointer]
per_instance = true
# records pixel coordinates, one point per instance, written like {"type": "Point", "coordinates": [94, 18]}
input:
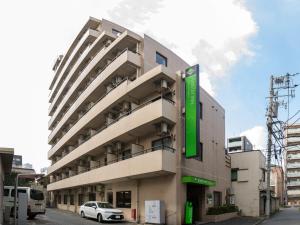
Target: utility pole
{"type": "Point", "coordinates": [269, 153]}
{"type": "Point", "coordinates": [279, 83]}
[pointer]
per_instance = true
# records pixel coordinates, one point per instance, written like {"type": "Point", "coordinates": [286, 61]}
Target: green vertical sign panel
{"type": "Point", "coordinates": [192, 112]}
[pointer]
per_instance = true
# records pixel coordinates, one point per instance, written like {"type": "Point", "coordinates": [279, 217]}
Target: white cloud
{"type": "Point", "coordinates": [257, 135]}
{"type": "Point", "coordinates": [213, 33]}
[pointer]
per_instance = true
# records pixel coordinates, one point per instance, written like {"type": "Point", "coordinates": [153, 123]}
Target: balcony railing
{"type": "Point", "coordinates": [118, 159]}
{"type": "Point", "coordinates": [293, 174]}
{"type": "Point", "coordinates": [118, 118]}
{"type": "Point", "coordinates": [293, 183]}
{"type": "Point", "coordinates": [90, 79]}
{"type": "Point", "coordinates": [293, 165]}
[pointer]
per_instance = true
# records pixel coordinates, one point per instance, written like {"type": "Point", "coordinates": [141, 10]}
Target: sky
{"type": "Point", "coordinates": [237, 43]}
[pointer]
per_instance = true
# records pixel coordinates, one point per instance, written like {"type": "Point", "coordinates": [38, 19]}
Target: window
{"type": "Point", "coordinates": [59, 199]}
{"type": "Point", "coordinates": [126, 154]}
{"type": "Point", "coordinates": [36, 194]}
{"type": "Point", "coordinates": [234, 174]}
{"type": "Point", "coordinates": [19, 191]}
{"type": "Point", "coordinates": [160, 59]}
{"type": "Point", "coordinates": [71, 199]}
{"type": "Point", "coordinates": [65, 199]}
{"type": "Point", "coordinates": [116, 32]}
{"type": "Point", "coordinates": [80, 199]}
{"type": "Point", "coordinates": [263, 175]}
{"type": "Point", "coordinates": [92, 196]}
{"type": "Point", "coordinates": [201, 110]}
{"type": "Point", "coordinates": [235, 139]}
{"type": "Point", "coordinates": [6, 192]}
{"type": "Point", "coordinates": [162, 143]}
{"type": "Point", "coordinates": [123, 199]}
{"type": "Point", "coordinates": [217, 198]}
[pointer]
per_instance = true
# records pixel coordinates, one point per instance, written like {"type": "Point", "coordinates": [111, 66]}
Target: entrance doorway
{"type": "Point", "coordinates": [195, 194]}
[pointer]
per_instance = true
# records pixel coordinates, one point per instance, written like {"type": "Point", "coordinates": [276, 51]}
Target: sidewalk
{"type": "Point", "coordinates": [240, 221]}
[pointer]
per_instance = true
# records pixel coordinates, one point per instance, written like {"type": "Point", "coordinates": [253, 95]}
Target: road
{"type": "Point", "coordinates": [57, 217]}
{"type": "Point", "coordinates": [287, 216]}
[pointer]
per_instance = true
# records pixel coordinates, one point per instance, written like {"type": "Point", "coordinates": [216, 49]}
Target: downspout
{"type": "Point", "coordinates": [137, 202]}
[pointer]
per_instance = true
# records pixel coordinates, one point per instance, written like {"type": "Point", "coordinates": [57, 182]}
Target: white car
{"type": "Point", "coordinates": [102, 211]}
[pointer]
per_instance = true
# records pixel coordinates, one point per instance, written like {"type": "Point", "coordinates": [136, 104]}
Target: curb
{"type": "Point", "coordinates": [260, 221]}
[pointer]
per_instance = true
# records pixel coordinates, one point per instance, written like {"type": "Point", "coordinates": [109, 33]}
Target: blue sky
{"type": "Point", "coordinates": [277, 51]}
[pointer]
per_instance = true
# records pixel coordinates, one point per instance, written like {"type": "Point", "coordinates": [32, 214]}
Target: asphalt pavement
{"type": "Point", "coordinates": [286, 216]}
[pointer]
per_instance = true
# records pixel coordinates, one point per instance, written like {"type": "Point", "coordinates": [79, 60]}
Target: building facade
{"type": "Point", "coordinates": [116, 128]}
{"type": "Point", "coordinates": [6, 160]}
{"type": "Point", "coordinates": [292, 164]}
{"type": "Point", "coordinates": [277, 183]}
{"type": "Point", "coordinates": [239, 144]}
{"type": "Point", "coordinates": [248, 177]}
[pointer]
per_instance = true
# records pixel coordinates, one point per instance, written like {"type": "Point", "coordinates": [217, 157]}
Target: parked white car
{"type": "Point", "coordinates": [102, 211]}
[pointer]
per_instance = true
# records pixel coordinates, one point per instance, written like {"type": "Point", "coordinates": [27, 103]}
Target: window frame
{"type": "Point", "coordinates": [65, 198]}
{"type": "Point", "coordinates": [235, 170]}
{"type": "Point", "coordinates": [124, 202]}
{"type": "Point", "coordinates": [162, 57]}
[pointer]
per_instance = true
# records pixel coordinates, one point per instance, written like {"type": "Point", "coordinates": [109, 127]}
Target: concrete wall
{"type": "Point", "coordinates": [1, 190]}
{"type": "Point", "coordinates": [247, 188]}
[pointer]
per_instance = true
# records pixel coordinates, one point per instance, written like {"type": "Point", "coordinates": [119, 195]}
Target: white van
{"type": "Point", "coordinates": [36, 200]}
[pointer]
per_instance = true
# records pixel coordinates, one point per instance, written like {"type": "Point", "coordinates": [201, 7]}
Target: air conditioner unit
{"type": "Point", "coordinates": [164, 84]}
{"type": "Point", "coordinates": [164, 128]}
{"type": "Point", "coordinates": [100, 188]}
{"type": "Point", "coordinates": [91, 132]}
{"type": "Point", "coordinates": [118, 146]}
{"type": "Point", "coordinates": [108, 61]}
{"type": "Point", "coordinates": [89, 189]}
{"type": "Point", "coordinates": [109, 149]}
{"type": "Point", "coordinates": [107, 43]}
{"type": "Point", "coordinates": [126, 106]}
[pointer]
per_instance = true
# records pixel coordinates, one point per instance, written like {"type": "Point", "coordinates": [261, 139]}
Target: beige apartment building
{"type": "Point", "coordinates": [116, 128]}
{"type": "Point", "coordinates": [292, 164]}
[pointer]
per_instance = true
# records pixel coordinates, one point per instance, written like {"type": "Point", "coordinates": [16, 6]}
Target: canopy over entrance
{"type": "Point", "coordinates": [198, 180]}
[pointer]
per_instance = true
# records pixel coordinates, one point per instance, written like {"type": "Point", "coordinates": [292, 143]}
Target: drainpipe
{"type": "Point", "coordinates": [137, 202]}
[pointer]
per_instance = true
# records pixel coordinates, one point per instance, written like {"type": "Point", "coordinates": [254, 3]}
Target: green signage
{"type": "Point", "coordinates": [198, 180]}
{"type": "Point", "coordinates": [192, 112]}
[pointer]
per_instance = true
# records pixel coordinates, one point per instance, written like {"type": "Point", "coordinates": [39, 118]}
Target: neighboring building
{"type": "Point", "coordinates": [22, 170]}
{"type": "Point", "coordinates": [248, 177]}
{"type": "Point", "coordinates": [116, 128]}
{"type": "Point", "coordinates": [17, 161]}
{"type": "Point", "coordinates": [238, 144]}
{"type": "Point", "coordinates": [6, 159]}
{"type": "Point", "coordinates": [292, 164]}
{"type": "Point", "coordinates": [277, 183]}
{"type": "Point", "coordinates": [27, 166]}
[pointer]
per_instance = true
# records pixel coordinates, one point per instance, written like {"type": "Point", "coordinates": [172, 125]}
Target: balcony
{"type": "Point", "coordinates": [89, 37]}
{"type": "Point", "coordinates": [293, 183]}
{"type": "Point", "coordinates": [140, 88]}
{"type": "Point", "coordinates": [91, 60]}
{"type": "Point", "coordinates": [293, 148]}
{"type": "Point", "coordinates": [295, 174]}
{"type": "Point", "coordinates": [92, 24]}
{"type": "Point", "coordinates": [123, 63]}
{"type": "Point", "coordinates": [146, 163]}
{"type": "Point", "coordinates": [139, 121]}
{"type": "Point", "coordinates": [75, 70]}
{"type": "Point", "coordinates": [293, 165]}
{"type": "Point", "coordinates": [291, 157]}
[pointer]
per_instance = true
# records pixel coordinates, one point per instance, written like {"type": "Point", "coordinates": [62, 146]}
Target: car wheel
{"type": "Point", "coordinates": [99, 218]}
{"type": "Point", "coordinates": [82, 214]}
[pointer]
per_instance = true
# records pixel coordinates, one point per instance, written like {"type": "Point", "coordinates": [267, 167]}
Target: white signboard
{"type": "Point", "coordinates": [155, 212]}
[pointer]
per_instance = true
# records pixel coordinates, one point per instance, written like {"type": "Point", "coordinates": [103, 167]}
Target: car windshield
{"type": "Point", "coordinates": [36, 194]}
{"type": "Point", "coordinates": [105, 205]}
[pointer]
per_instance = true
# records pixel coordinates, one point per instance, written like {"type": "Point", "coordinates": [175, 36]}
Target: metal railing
{"type": "Point", "coordinates": [118, 159]}
{"type": "Point", "coordinates": [89, 83]}
{"type": "Point", "coordinates": [116, 119]}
